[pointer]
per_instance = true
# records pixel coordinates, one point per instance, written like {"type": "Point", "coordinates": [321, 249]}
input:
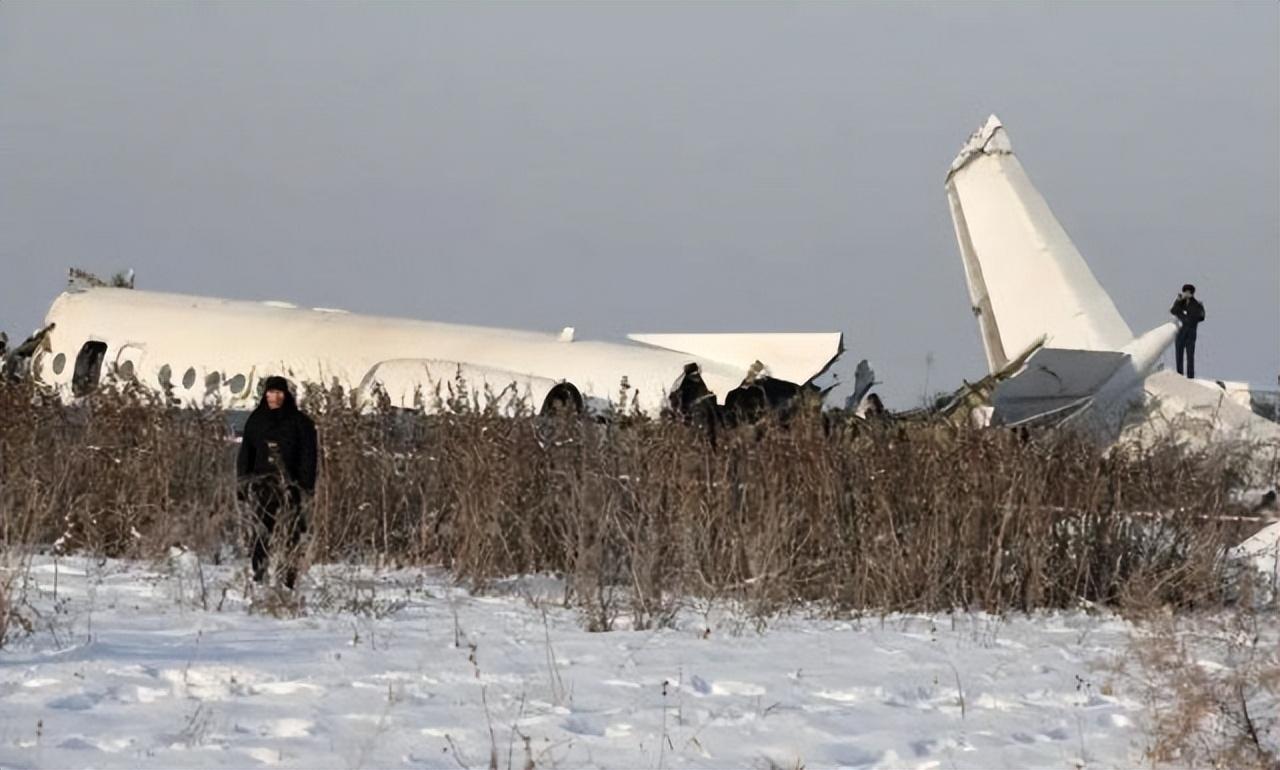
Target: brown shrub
{"type": "Point", "coordinates": [1211, 682]}
{"type": "Point", "coordinates": [639, 513]}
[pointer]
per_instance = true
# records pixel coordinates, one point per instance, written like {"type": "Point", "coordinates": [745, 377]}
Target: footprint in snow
{"type": "Point", "coordinates": [81, 701]}
{"type": "Point", "coordinates": [849, 755]}
{"type": "Point", "coordinates": [109, 745]}
{"type": "Point", "coordinates": [585, 724]}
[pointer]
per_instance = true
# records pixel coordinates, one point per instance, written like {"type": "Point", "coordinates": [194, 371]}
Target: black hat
{"type": "Point", "coordinates": [1188, 287]}
{"type": "Point", "coordinates": [276, 383]}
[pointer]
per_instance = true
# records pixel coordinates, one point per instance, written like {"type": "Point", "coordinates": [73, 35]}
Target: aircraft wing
{"type": "Point", "coordinates": [795, 358]}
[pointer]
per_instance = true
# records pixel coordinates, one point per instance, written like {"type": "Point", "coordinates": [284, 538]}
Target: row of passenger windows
{"type": "Point", "coordinates": [89, 366]}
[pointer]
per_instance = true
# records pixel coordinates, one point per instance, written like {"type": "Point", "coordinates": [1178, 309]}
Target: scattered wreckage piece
{"type": "Point", "coordinates": [1200, 414]}
{"type": "Point", "coordinates": [17, 363]}
{"type": "Point", "coordinates": [84, 279]}
{"type": "Point", "coordinates": [1261, 550]}
{"type": "Point", "coordinates": [971, 404]}
{"type": "Point", "coordinates": [1264, 403]}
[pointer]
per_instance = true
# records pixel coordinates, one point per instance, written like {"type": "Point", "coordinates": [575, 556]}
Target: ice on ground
{"type": "Point", "coordinates": [124, 671]}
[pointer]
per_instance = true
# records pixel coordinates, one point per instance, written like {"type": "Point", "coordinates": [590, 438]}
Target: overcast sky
{"type": "Point", "coordinates": [657, 167]}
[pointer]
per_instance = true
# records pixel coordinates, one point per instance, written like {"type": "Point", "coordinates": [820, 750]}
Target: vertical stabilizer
{"type": "Point", "coordinates": [1026, 278]}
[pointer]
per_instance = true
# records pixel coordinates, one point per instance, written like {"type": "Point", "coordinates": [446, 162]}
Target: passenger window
{"type": "Point", "coordinates": [59, 363]}
{"type": "Point", "coordinates": [165, 376]}
{"type": "Point", "coordinates": [236, 384]}
{"type": "Point", "coordinates": [88, 367]}
{"type": "Point", "coordinates": [189, 378]}
{"type": "Point", "coordinates": [212, 381]}
{"type": "Point", "coordinates": [126, 370]}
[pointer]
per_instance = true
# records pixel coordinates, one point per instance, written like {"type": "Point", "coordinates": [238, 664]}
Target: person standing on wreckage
{"type": "Point", "coordinates": [1190, 313]}
{"type": "Point", "coordinates": [275, 469]}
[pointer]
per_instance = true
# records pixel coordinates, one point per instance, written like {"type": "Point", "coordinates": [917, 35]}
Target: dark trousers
{"type": "Point", "coordinates": [276, 506]}
{"type": "Point", "coordinates": [1185, 345]}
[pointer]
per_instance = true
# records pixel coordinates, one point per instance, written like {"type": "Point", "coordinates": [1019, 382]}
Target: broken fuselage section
{"type": "Point", "coordinates": [203, 351]}
{"type": "Point", "coordinates": [1058, 350]}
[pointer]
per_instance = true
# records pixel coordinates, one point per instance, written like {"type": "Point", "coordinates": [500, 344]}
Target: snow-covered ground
{"type": "Point", "coordinates": [126, 669]}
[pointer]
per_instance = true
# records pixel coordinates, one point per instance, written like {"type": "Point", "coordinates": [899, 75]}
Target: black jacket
{"type": "Point", "coordinates": [284, 433]}
{"type": "Point", "coordinates": [1189, 310]}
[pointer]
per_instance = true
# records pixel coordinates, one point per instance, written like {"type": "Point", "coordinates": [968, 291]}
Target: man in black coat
{"type": "Point", "coordinates": [275, 467]}
{"type": "Point", "coordinates": [1189, 312]}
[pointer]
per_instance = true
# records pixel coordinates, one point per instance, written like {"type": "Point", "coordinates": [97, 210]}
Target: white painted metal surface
{"type": "Point", "coordinates": [1026, 278]}
{"type": "Point", "coordinates": [1052, 379]}
{"type": "Point", "coordinates": [1201, 414]}
{"type": "Point", "coordinates": [792, 357]}
{"type": "Point", "coordinates": [1027, 281]}
{"type": "Point", "coordinates": [218, 349]}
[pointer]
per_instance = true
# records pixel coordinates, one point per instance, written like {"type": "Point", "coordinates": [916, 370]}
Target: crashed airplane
{"type": "Point", "coordinates": [206, 351]}
{"type": "Point", "coordinates": [1058, 350]}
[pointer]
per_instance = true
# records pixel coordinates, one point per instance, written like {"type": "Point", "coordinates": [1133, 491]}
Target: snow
{"type": "Point", "coordinates": [1262, 550]}
{"type": "Point", "coordinates": [126, 669]}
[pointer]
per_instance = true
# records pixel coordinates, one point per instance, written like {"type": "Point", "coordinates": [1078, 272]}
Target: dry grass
{"type": "Point", "coordinates": [1212, 687]}
{"type": "Point", "coordinates": [14, 620]}
{"type": "Point", "coordinates": [639, 514]}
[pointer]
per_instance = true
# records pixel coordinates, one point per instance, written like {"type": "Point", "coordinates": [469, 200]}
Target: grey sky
{"type": "Point", "coordinates": [665, 167]}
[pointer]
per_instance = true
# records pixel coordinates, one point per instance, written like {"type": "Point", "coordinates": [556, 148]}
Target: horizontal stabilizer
{"type": "Point", "coordinates": [1054, 378]}
{"type": "Point", "coordinates": [793, 357]}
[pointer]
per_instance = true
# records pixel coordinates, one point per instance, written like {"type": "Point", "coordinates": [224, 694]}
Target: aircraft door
{"type": "Point", "coordinates": [88, 369]}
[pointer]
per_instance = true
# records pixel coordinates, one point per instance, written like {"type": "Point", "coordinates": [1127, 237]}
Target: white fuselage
{"type": "Point", "coordinates": [211, 349]}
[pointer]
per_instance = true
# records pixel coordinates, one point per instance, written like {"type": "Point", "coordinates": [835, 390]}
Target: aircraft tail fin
{"type": "Point", "coordinates": [1026, 278]}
